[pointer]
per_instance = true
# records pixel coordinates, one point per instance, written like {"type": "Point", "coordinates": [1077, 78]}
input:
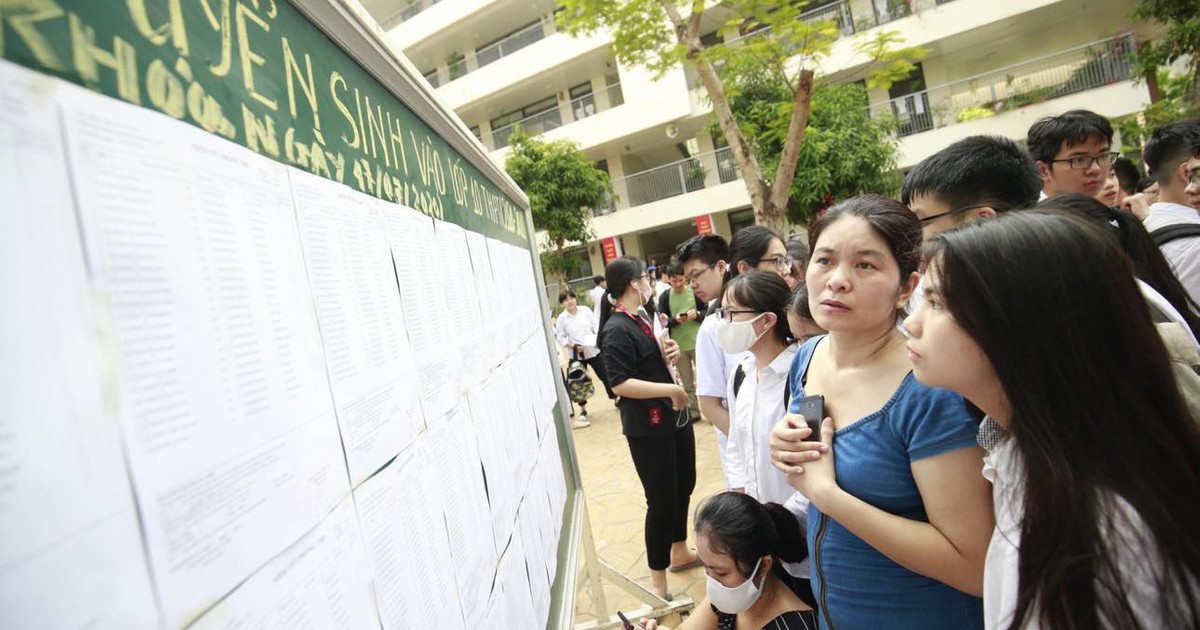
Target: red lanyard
{"type": "Point", "coordinates": [643, 324]}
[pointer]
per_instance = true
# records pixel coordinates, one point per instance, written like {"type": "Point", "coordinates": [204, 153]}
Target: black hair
{"type": "Point", "coordinates": [1169, 145]}
{"type": "Point", "coordinates": [765, 292]}
{"type": "Point", "coordinates": [799, 303]}
{"type": "Point", "coordinates": [564, 295]}
{"type": "Point", "coordinates": [976, 170]}
{"type": "Point", "coordinates": [736, 524]}
{"type": "Point", "coordinates": [1127, 174]}
{"type": "Point", "coordinates": [890, 219]}
{"type": "Point", "coordinates": [597, 279]}
{"type": "Point", "coordinates": [1097, 420]}
{"type": "Point", "coordinates": [673, 268]}
{"type": "Point", "coordinates": [1145, 183]}
{"type": "Point", "coordinates": [708, 248]}
{"type": "Point", "coordinates": [750, 244]}
{"type": "Point", "coordinates": [1149, 264]}
{"type": "Point", "coordinates": [797, 249]}
{"type": "Point", "coordinates": [1047, 136]}
{"type": "Point", "coordinates": [618, 274]}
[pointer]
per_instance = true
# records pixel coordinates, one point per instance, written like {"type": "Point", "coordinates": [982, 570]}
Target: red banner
{"type": "Point", "coordinates": [609, 249]}
{"type": "Point", "coordinates": [704, 224]}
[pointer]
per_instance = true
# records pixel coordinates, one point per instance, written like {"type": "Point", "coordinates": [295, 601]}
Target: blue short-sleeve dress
{"type": "Point", "coordinates": [855, 585]}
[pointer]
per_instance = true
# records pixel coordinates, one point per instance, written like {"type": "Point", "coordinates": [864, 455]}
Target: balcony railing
{"type": "Point", "coordinates": [497, 50]}
{"type": "Point", "coordinates": [578, 108]}
{"type": "Point", "coordinates": [852, 17]}
{"type": "Point", "coordinates": [1053, 76]}
{"type": "Point", "coordinates": [677, 178]}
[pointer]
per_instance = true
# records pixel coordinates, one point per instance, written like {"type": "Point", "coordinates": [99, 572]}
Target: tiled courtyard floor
{"type": "Point", "coordinates": [617, 506]}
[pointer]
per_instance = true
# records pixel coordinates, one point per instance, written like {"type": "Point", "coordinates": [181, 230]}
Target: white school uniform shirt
{"type": "Point", "coordinates": [713, 369]}
{"type": "Point", "coordinates": [580, 328]}
{"type": "Point", "coordinates": [1183, 254]}
{"type": "Point", "coordinates": [753, 412]}
{"type": "Point", "coordinates": [596, 294]}
{"type": "Point", "coordinates": [1136, 561]}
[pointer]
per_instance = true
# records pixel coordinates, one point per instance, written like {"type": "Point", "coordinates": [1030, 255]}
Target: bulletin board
{"type": "Point", "coordinates": [274, 352]}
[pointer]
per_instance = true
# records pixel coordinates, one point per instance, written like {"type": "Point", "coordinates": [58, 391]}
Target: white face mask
{"type": "Point", "coordinates": [737, 337]}
{"type": "Point", "coordinates": [646, 291]}
{"type": "Point", "coordinates": [736, 600]}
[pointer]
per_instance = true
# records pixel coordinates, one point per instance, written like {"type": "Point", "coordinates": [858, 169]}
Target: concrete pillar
{"type": "Point", "coordinates": [720, 221]}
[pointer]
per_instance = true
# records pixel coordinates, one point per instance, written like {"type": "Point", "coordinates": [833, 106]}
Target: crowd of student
{"type": "Point", "coordinates": [951, 414]}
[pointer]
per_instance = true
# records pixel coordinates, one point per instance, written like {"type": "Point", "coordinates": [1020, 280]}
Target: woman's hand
{"type": "Point", "coordinates": [789, 450]}
{"type": "Point", "coordinates": [670, 351]}
{"type": "Point", "coordinates": [650, 624]}
{"type": "Point", "coordinates": [818, 478]}
{"type": "Point", "coordinates": [679, 397]}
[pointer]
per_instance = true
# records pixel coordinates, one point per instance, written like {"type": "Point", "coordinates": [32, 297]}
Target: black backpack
{"type": "Point", "coordinates": [739, 375]}
{"type": "Point", "coordinates": [1168, 233]}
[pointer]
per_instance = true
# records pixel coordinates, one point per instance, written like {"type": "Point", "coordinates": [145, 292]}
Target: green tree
{"type": "Point", "coordinates": [1180, 40]}
{"type": "Point", "coordinates": [1172, 105]}
{"type": "Point", "coordinates": [846, 151]}
{"type": "Point", "coordinates": [662, 34]}
{"type": "Point", "coordinates": [563, 186]}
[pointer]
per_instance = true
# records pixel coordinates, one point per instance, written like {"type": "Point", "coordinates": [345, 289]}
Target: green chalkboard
{"type": "Point", "coordinates": [259, 73]}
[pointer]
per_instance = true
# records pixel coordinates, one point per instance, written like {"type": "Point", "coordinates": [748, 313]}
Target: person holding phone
{"type": "Point", "coordinates": [743, 544]}
{"type": "Point", "coordinates": [1095, 460]}
{"type": "Point", "coordinates": [898, 529]}
{"type": "Point", "coordinates": [654, 415]}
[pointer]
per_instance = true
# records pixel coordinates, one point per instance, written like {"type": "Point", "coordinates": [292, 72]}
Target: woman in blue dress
{"type": "Point", "coordinates": [900, 517]}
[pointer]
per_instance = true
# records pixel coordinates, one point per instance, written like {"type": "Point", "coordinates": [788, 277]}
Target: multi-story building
{"type": "Point", "coordinates": [993, 66]}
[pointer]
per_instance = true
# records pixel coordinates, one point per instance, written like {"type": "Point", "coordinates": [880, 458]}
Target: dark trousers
{"type": "Point", "coordinates": [667, 467]}
{"type": "Point", "coordinates": [597, 365]}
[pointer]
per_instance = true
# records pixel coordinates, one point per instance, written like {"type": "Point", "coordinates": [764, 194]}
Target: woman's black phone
{"type": "Point", "coordinates": [813, 410]}
{"type": "Point", "coordinates": [625, 623]}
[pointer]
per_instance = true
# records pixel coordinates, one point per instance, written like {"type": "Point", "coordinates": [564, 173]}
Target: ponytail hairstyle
{"type": "Point", "coordinates": [1108, 450]}
{"type": "Point", "coordinates": [738, 525]}
{"type": "Point", "coordinates": [618, 275]}
{"type": "Point", "coordinates": [1149, 264]}
{"type": "Point", "coordinates": [764, 292]}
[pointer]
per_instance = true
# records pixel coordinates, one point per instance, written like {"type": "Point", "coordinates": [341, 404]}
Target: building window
{"type": "Point", "coordinates": [583, 102]}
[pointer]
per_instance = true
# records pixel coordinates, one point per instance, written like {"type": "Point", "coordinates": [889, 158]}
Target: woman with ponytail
{"type": "Point", "coordinates": [654, 416]}
{"type": "Point", "coordinates": [743, 544]}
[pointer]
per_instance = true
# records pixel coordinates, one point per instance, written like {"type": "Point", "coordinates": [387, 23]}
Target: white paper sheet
{"type": "Point", "coordinates": [430, 332]}
{"type": "Point", "coordinates": [464, 499]}
{"type": "Point", "coordinates": [513, 577]}
{"type": "Point", "coordinates": [533, 549]}
{"type": "Point", "coordinates": [70, 551]}
{"type": "Point", "coordinates": [222, 392]}
{"type": "Point", "coordinates": [322, 581]}
{"type": "Point", "coordinates": [488, 303]}
{"type": "Point", "coordinates": [462, 302]}
{"type": "Point", "coordinates": [488, 415]}
{"type": "Point", "coordinates": [400, 510]}
{"type": "Point", "coordinates": [371, 366]}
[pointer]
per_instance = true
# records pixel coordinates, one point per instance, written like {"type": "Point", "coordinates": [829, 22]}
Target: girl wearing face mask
{"type": "Point", "coordinates": [898, 529]}
{"type": "Point", "coordinates": [755, 326]}
{"type": "Point", "coordinates": [1094, 459]}
{"type": "Point", "coordinates": [653, 416]}
{"type": "Point", "coordinates": [742, 544]}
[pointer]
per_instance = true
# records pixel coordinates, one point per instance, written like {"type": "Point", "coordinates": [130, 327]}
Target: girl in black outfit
{"type": "Point", "coordinates": [742, 542]}
{"type": "Point", "coordinates": [653, 415]}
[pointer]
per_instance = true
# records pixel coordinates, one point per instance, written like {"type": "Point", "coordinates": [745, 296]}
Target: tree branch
{"type": "Point", "coordinates": [784, 175]}
{"type": "Point", "coordinates": [693, 31]}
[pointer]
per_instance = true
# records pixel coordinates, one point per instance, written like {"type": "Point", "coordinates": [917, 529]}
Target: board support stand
{"type": "Point", "coordinates": [597, 571]}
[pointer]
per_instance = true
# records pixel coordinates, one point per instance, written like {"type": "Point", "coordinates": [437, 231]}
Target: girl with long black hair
{"type": "Point", "coordinates": [654, 415]}
{"type": "Point", "coordinates": [1094, 459]}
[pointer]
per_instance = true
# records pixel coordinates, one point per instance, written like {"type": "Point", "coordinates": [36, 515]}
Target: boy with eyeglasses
{"type": "Point", "coordinates": [1073, 152]}
{"type": "Point", "coordinates": [1173, 156]}
{"type": "Point", "coordinates": [974, 178]}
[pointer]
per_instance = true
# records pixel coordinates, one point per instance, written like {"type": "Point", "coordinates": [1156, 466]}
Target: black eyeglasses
{"type": "Point", "coordinates": [1081, 162]}
{"type": "Point", "coordinates": [727, 314]}
{"type": "Point", "coordinates": [781, 262]}
{"type": "Point", "coordinates": [934, 217]}
{"type": "Point", "coordinates": [696, 273]}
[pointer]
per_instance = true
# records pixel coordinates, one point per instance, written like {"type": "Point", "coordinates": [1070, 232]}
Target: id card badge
{"type": "Point", "coordinates": [656, 416]}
